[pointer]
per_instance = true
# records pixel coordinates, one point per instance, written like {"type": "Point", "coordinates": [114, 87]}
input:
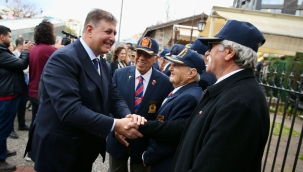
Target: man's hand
{"type": "Point", "coordinates": [131, 125]}
{"type": "Point", "coordinates": [121, 139]}
{"type": "Point", "coordinates": [137, 119]}
{"type": "Point", "coordinates": [131, 133]}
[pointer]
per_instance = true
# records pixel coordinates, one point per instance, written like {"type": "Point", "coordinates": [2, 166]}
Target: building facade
{"type": "Point", "coordinates": [293, 7]}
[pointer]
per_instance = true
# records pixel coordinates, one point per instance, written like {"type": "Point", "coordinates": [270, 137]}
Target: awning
{"type": "Point", "coordinates": [283, 32]}
{"type": "Point", "coordinates": [186, 32]}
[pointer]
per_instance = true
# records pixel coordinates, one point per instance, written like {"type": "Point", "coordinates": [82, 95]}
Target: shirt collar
{"type": "Point", "coordinates": [146, 76]}
{"type": "Point", "coordinates": [228, 75]}
{"type": "Point", "coordinates": [89, 51]}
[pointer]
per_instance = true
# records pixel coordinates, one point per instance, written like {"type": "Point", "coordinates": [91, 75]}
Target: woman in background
{"type": "Point", "coordinates": [119, 59]}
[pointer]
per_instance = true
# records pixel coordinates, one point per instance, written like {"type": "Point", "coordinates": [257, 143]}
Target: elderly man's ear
{"type": "Point", "coordinates": [230, 54]}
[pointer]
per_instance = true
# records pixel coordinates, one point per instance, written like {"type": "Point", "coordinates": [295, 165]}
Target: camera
{"type": "Point", "coordinates": [66, 40]}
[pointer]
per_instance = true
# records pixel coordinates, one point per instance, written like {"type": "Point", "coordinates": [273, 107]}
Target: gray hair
{"type": "Point", "coordinates": [96, 15]}
{"type": "Point", "coordinates": [197, 76]}
{"type": "Point", "coordinates": [245, 57]}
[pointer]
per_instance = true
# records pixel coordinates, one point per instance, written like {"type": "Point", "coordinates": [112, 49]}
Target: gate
{"type": "Point", "coordinates": [285, 101]}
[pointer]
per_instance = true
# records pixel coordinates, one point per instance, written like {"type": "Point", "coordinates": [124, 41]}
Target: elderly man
{"type": "Point", "coordinates": [185, 71]}
{"type": "Point", "coordinates": [206, 79]}
{"type": "Point", "coordinates": [143, 88]}
{"type": "Point", "coordinates": [228, 129]}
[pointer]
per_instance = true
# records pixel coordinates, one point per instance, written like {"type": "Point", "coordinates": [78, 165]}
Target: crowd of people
{"type": "Point", "coordinates": [194, 107]}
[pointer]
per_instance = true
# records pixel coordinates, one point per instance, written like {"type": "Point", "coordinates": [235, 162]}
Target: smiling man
{"type": "Point", "coordinates": [185, 71]}
{"type": "Point", "coordinates": [143, 88]}
{"type": "Point", "coordinates": [228, 129]}
{"type": "Point", "coordinates": [76, 97]}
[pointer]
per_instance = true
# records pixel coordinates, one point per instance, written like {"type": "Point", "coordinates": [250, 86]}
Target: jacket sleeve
{"type": "Point", "coordinates": [65, 97]}
{"type": "Point", "coordinates": [10, 62]}
{"type": "Point", "coordinates": [182, 108]}
{"type": "Point", "coordinates": [160, 131]}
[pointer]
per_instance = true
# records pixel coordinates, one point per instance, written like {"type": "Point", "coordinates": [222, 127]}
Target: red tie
{"type": "Point", "coordinates": [138, 94]}
{"type": "Point", "coordinates": [169, 95]}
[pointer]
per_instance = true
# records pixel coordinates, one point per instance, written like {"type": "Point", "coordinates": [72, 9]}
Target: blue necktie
{"type": "Point", "coordinates": [139, 93]}
{"type": "Point", "coordinates": [95, 61]}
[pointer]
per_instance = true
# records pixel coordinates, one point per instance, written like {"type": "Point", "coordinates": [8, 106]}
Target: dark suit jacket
{"type": "Point", "coordinates": [227, 131]}
{"type": "Point", "coordinates": [179, 106]}
{"type": "Point", "coordinates": [157, 90]}
{"type": "Point", "coordinates": [72, 121]}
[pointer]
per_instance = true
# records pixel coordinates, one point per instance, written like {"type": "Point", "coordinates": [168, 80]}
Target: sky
{"type": "Point", "coordinates": [137, 15]}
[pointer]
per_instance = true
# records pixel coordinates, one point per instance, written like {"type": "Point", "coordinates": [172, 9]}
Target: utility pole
{"type": "Point", "coordinates": [120, 22]}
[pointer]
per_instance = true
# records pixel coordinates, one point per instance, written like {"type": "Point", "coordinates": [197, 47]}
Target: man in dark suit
{"type": "Point", "coordinates": [185, 73]}
{"type": "Point", "coordinates": [156, 87]}
{"type": "Point", "coordinates": [206, 79]}
{"type": "Point", "coordinates": [229, 128]}
{"type": "Point", "coordinates": [76, 97]}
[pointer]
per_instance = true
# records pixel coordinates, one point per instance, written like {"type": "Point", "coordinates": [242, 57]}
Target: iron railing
{"type": "Point", "coordinates": [284, 97]}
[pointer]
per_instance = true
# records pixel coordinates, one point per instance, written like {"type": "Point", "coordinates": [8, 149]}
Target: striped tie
{"type": "Point", "coordinates": [95, 61]}
{"type": "Point", "coordinates": [139, 94]}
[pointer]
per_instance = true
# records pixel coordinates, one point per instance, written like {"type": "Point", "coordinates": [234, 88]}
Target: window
{"type": "Point", "coordinates": [272, 10]}
{"type": "Point", "coordinates": [300, 2]}
{"type": "Point", "coordinates": [299, 13]}
{"type": "Point", "coordinates": [275, 2]}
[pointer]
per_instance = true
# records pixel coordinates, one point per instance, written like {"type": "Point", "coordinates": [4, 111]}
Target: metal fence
{"type": "Point", "coordinates": [285, 101]}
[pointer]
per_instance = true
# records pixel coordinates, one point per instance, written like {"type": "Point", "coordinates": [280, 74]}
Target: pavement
{"type": "Point", "coordinates": [98, 166]}
{"type": "Point", "coordinates": [20, 144]}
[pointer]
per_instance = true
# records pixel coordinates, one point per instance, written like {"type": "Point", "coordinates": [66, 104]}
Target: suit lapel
{"type": "Point", "coordinates": [130, 86]}
{"type": "Point", "coordinates": [88, 65]}
{"type": "Point", "coordinates": [187, 86]}
{"type": "Point", "coordinates": [150, 87]}
{"type": "Point", "coordinates": [104, 73]}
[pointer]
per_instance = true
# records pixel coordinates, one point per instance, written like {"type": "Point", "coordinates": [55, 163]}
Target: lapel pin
{"type": "Point", "coordinates": [153, 82]}
{"type": "Point", "coordinates": [200, 112]}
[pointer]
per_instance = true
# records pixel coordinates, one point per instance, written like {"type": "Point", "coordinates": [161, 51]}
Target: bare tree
{"type": "Point", "coordinates": [22, 9]}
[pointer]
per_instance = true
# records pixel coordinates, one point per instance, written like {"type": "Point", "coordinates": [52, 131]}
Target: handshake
{"type": "Point", "coordinates": [128, 128]}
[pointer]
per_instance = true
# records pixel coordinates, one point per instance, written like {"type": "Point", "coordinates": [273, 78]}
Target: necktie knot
{"type": "Point", "coordinates": [140, 78]}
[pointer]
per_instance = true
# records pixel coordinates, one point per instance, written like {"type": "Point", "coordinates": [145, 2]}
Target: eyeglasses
{"type": "Point", "coordinates": [210, 46]}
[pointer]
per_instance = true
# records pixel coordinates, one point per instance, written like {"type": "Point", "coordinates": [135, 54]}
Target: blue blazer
{"type": "Point", "coordinates": [180, 105]}
{"type": "Point", "coordinates": [157, 90]}
{"type": "Point", "coordinates": [73, 120]}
